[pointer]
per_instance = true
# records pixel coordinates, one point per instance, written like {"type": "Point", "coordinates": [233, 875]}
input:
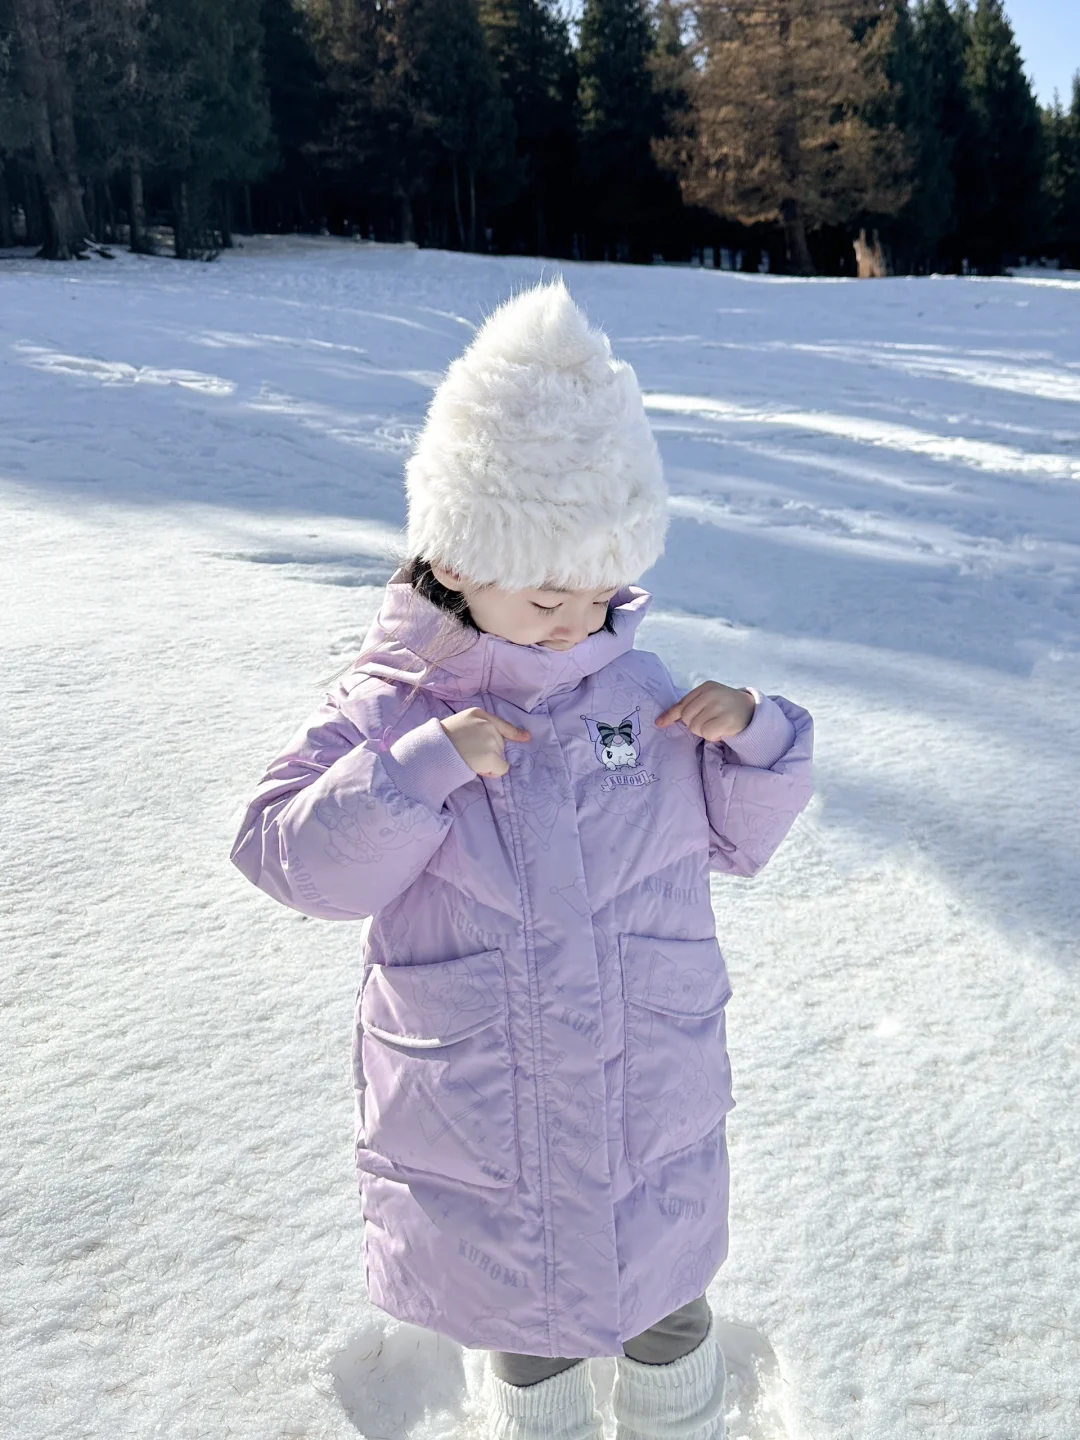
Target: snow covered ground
{"type": "Point", "coordinates": [876, 511]}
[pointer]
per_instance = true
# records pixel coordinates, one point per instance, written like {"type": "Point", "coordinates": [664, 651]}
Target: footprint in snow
{"type": "Point", "coordinates": [401, 1382]}
{"type": "Point", "coordinates": [755, 1386]}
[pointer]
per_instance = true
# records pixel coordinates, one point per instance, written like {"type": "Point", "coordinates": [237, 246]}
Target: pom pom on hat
{"type": "Point", "coordinates": [536, 463]}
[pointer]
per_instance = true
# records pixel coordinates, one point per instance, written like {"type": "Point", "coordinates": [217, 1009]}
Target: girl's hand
{"type": "Point", "coordinates": [711, 710]}
{"type": "Point", "coordinates": [480, 738]}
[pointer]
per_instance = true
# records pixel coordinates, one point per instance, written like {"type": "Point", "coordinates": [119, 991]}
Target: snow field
{"type": "Point", "coordinates": [875, 511]}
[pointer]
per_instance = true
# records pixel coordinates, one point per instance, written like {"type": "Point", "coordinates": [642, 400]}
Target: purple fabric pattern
{"type": "Point", "coordinates": [539, 1049]}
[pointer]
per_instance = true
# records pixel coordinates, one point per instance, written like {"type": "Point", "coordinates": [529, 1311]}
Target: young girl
{"type": "Point", "coordinates": [529, 812]}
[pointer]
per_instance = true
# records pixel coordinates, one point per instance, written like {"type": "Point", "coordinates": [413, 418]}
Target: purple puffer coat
{"type": "Point", "coordinates": [539, 1049]}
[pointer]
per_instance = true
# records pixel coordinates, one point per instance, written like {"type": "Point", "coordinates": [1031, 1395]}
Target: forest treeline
{"type": "Point", "coordinates": [805, 135]}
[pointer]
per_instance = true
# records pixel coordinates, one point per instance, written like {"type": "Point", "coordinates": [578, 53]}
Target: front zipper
{"type": "Point", "coordinates": [538, 1058]}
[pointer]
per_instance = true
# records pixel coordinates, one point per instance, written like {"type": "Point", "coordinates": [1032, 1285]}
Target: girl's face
{"type": "Point", "coordinates": [556, 619]}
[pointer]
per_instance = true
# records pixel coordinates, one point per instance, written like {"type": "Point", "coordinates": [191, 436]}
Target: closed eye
{"type": "Point", "coordinates": [550, 609]}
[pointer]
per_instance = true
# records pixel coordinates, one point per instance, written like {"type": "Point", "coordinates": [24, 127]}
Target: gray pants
{"type": "Point", "coordinates": [669, 1339]}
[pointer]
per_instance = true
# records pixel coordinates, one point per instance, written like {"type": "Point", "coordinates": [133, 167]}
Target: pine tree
{"type": "Point", "coordinates": [1061, 179]}
{"type": "Point", "coordinates": [50, 115]}
{"type": "Point", "coordinates": [117, 105]}
{"type": "Point", "coordinates": [1070, 212]}
{"type": "Point", "coordinates": [299, 108]}
{"type": "Point", "coordinates": [673, 76]}
{"type": "Point", "coordinates": [1056, 149]}
{"type": "Point", "coordinates": [1006, 218]}
{"type": "Point", "coordinates": [213, 130]}
{"type": "Point", "coordinates": [887, 106]}
{"type": "Point", "coordinates": [366, 146]}
{"type": "Point", "coordinates": [530, 46]}
{"type": "Point", "coordinates": [452, 88]}
{"type": "Point", "coordinates": [946, 137]}
{"type": "Point", "coordinates": [14, 121]}
{"type": "Point", "coordinates": [418, 119]}
{"type": "Point", "coordinates": [907, 107]}
{"type": "Point", "coordinates": [620, 117]}
{"type": "Point", "coordinates": [791, 119]}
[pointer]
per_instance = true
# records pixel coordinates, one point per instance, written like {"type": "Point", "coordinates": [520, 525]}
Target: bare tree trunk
{"type": "Point", "coordinates": [90, 206]}
{"type": "Point", "coordinates": [800, 261]}
{"type": "Point", "coordinates": [33, 199]}
{"type": "Point", "coordinates": [225, 212]}
{"type": "Point", "coordinates": [47, 87]}
{"type": "Point", "coordinates": [249, 228]}
{"type": "Point", "coordinates": [62, 110]}
{"type": "Point", "coordinates": [108, 212]}
{"type": "Point", "coordinates": [457, 205]}
{"type": "Point", "coordinates": [473, 240]}
{"type": "Point", "coordinates": [405, 211]}
{"type": "Point", "coordinates": [181, 220]}
{"type": "Point", "coordinates": [791, 216]}
{"type": "Point", "coordinates": [138, 240]}
{"type": "Point", "coordinates": [7, 229]}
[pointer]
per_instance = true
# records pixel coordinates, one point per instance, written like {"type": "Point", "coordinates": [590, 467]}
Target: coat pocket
{"type": "Point", "coordinates": [438, 1092]}
{"type": "Point", "coordinates": [677, 1077]}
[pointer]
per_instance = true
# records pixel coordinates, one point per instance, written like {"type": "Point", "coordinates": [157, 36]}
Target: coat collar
{"type": "Point", "coordinates": [412, 641]}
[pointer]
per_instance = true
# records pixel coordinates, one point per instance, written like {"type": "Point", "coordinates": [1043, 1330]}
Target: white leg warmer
{"type": "Point", "coordinates": [562, 1407]}
{"type": "Point", "coordinates": [683, 1400]}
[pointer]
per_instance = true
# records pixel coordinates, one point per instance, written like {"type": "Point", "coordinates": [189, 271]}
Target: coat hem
{"type": "Point", "coordinates": [412, 1318]}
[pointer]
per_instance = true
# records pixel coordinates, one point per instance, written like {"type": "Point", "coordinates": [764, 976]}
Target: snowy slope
{"type": "Point", "coordinates": [876, 511]}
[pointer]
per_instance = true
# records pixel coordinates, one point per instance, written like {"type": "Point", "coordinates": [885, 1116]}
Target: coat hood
{"type": "Point", "coordinates": [413, 642]}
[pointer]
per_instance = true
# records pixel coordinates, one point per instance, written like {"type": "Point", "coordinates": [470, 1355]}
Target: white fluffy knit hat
{"type": "Point", "coordinates": [536, 463]}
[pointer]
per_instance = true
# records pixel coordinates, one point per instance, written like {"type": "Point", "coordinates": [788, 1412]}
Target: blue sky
{"type": "Point", "coordinates": [1048, 33]}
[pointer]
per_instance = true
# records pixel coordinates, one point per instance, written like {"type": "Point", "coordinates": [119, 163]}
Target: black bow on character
{"type": "Point", "coordinates": [607, 733]}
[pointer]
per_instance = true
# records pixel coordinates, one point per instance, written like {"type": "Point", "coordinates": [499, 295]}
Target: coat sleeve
{"type": "Point", "coordinates": [340, 825]}
{"type": "Point", "coordinates": [757, 784]}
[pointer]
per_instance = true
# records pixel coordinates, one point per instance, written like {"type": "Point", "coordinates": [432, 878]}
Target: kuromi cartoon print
{"type": "Point", "coordinates": [616, 744]}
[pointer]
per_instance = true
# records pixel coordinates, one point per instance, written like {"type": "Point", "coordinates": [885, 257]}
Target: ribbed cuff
{"type": "Point", "coordinates": [684, 1398]}
{"type": "Point", "coordinates": [562, 1407]}
{"type": "Point", "coordinates": [425, 765]}
{"type": "Point", "coordinates": [769, 735]}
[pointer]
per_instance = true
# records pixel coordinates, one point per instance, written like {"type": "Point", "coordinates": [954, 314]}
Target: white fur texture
{"type": "Point", "coordinates": [536, 464]}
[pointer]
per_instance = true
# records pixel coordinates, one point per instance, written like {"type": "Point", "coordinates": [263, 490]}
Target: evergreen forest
{"type": "Point", "coordinates": [799, 136]}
